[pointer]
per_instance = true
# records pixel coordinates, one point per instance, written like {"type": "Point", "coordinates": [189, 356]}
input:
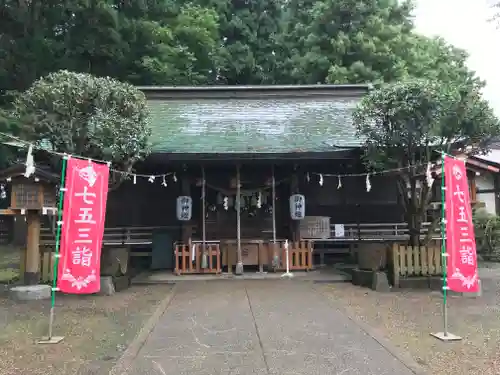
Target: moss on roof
{"type": "Point", "coordinates": [252, 125]}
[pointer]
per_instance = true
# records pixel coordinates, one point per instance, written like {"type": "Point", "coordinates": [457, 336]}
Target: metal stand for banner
{"type": "Point", "coordinates": [56, 339]}
{"type": "Point", "coordinates": [444, 335]}
{"type": "Point", "coordinates": [287, 259]}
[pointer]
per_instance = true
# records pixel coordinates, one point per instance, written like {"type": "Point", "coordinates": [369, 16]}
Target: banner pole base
{"type": "Point", "coordinates": [50, 340]}
{"type": "Point", "coordinates": [446, 336]}
{"type": "Point", "coordinates": [287, 274]}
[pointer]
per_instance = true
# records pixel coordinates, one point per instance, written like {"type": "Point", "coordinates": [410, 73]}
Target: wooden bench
{"type": "Point", "coordinates": [410, 261]}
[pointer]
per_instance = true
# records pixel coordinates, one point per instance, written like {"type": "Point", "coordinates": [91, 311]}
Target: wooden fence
{"type": "Point", "coordinates": [299, 256]}
{"type": "Point", "coordinates": [416, 261]}
{"type": "Point", "coordinates": [47, 260]}
{"type": "Point", "coordinates": [375, 232]}
{"type": "Point", "coordinates": [113, 236]}
{"type": "Point", "coordinates": [188, 259]}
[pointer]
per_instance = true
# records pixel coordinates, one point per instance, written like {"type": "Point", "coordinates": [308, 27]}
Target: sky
{"type": "Point", "coordinates": [464, 23]}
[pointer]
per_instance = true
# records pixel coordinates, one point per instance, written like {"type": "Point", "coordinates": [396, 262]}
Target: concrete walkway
{"type": "Point", "coordinates": [263, 327]}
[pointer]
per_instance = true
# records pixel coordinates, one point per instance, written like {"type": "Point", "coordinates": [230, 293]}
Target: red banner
{"type": "Point", "coordinates": [461, 269]}
{"type": "Point", "coordinates": [86, 190]}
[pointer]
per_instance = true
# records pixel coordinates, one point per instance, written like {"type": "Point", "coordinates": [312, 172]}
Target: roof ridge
{"type": "Point", "coordinates": [359, 86]}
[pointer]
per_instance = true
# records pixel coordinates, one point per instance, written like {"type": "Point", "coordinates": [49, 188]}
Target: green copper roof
{"type": "Point", "coordinates": [256, 125]}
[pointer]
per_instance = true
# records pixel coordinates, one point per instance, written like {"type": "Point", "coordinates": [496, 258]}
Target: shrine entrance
{"type": "Point", "coordinates": [244, 216]}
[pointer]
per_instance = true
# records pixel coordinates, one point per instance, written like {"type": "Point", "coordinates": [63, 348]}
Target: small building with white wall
{"type": "Point", "coordinates": [487, 180]}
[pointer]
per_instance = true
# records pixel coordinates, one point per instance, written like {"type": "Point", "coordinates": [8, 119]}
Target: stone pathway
{"type": "Point", "coordinates": [277, 327]}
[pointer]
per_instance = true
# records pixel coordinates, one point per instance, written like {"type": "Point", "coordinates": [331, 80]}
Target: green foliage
{"type": "Point", "coordinates": [346, 41]}
{"type": "Point", "coordinates": [142, 42]}
{"type": "Point", "coordinates": [81, 114]}
{"type": "Point", "coordinates": [404, 123]}
{"type": "Point", "coordinates": [204, 42]}
{"type": "Point", "coordinates": [487, 231]}
{"type": "Point", "coordinates": [201, 42]}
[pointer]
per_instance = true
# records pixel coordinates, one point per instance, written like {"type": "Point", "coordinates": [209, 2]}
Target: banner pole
{"type": "Point", "coordinates": [445, 335]}
{"type": "Point", "coordinates": [443, 249]}
{"type": "Point", "coordinates": [56, 339]}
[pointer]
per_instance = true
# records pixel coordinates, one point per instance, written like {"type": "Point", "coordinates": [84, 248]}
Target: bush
{"type": "Point", "coordinates": [487, 230]}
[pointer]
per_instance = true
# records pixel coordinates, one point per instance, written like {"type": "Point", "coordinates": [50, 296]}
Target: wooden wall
{"type": "Point", "coordinates": [150, 204]}
{"type": "Point", "coordinates": [143, 204]}
{"type": "Point", "coordinates": [352, 203]}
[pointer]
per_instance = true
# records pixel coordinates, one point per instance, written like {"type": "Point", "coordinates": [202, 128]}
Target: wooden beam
{"type": "Point", "coordinates": [473, 188]}
{"type": "Point", "coordinates": [294, 224]}
{"type": "Point", "coordinates": [8, 211]}
{"type": "Point", "coordinates": [486, 166]}
{"type": "Point", "coordinates": [496, 185]}
{"type": "Point", "coordinates": [32, 270]}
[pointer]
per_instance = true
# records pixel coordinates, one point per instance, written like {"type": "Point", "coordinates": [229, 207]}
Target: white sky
{"type": "Point", "coordinates": [465, 24]}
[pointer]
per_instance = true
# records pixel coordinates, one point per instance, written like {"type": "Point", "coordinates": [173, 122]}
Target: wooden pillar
{"type": "Point", "coordinates": [496, 186]}
{"type": "Point", "coordinates": [239, 262]}
{"type": "Point", "coordinates": [294, 224]}
{"type": "Point", "coordinates": [203, 219]}
{"type": "Point", "coordinates": [19, 230]}
{"type": "Point", "coordinates": [186, 226]}
{"type": "Point", "coordinates": [32, 269]}
{"type": "Point", "coordinates": [472, 186]}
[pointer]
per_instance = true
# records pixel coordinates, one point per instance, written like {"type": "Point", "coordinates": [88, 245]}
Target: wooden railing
{"type": "Point", "coordinates": [189, 257]}
{"type": "Point", "coordinates": [47, 260]}
{"type": "Point", "coordinates": [299, 256]}
{"type": "Point", "coordinates": [415, 261]}
{"type": "Point", "coordinates": [377, 232]}
{"type": "Point", "coordinates": [112, 236]}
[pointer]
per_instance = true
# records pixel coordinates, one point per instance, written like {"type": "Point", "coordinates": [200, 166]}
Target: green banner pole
{"type": "Point", "coordinates": [443, 249]}
{"type": "Point", "coordinates": [444, 335]}
{"type": "Point", "coordinates": [50, 339]}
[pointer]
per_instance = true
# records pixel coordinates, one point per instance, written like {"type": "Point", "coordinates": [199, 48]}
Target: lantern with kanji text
{"type": "Point", "coordinates": [184, 208]}
{"type": "Point", "coordinates": [297, 207]}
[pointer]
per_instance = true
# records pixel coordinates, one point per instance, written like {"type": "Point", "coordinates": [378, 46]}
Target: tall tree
{"type": "Point", "coordinates": [343, 41]}
{"type": "Point", "coordinates": [170, 43]}
{"type": "Point", "coordinates": [143, 42]}
{"type": "Point", "coordinates": [249, 39]}
{"type": "Point", "coordinates": [404, 123]}
{"type": "Point", "coordinates": [363, 41]}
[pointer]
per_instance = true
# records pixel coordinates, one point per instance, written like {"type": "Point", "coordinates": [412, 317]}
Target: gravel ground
{"type": "Point", "coordinates": [96, 330]}
{"type": "Point", "coordinates": [408, 317]}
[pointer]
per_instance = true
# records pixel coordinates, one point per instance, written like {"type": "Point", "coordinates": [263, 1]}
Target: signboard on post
{"type": "Point", "coordinates": [84, 212]}
{"type": "Point", "coordinates": [462, 274]}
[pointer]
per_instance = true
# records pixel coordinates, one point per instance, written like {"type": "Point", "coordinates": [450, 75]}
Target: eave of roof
{"type": "Point", "coordinates": [182, 92]}
{"type": "Point", "coordinates": [18, 169]}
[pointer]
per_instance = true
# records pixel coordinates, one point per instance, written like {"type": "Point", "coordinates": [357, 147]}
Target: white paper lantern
{"type": "Point", "coordinates": [297, 207]}
{"type": "Point", "coordinates": [184, 208]}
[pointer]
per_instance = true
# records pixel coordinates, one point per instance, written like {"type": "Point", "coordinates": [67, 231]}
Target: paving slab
{"type": "Point", "coordinates": [302, 333]}
{"type": "Point", "coordinates": [248, 327]}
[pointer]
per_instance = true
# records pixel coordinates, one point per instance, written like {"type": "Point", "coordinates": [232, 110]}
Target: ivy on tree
{"type": "Point", "coordinates": [403, 124]}
{"type": "Point", "coordinates": [95, 117]}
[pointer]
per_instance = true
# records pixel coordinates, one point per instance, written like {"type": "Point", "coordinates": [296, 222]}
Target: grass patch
{"type": "Point", "coordinates": [10, 259]}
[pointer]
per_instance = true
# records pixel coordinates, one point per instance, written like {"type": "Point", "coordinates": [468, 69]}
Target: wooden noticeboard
{"type": "Point", "coordinates": [249, 252]}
